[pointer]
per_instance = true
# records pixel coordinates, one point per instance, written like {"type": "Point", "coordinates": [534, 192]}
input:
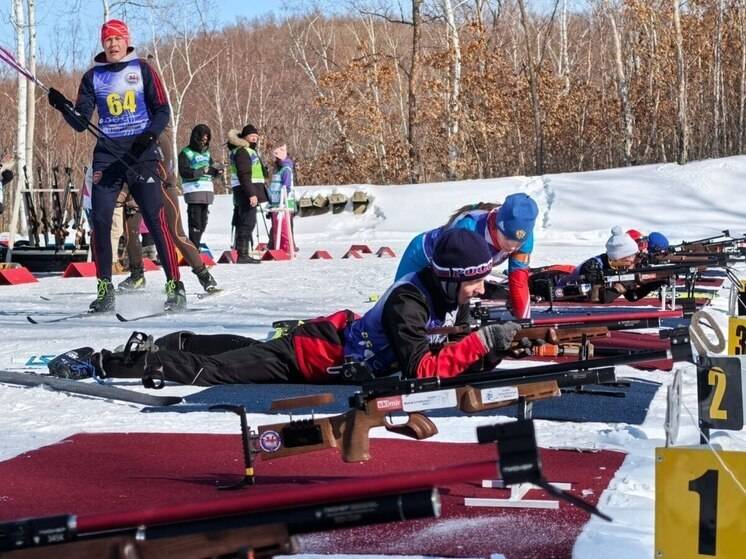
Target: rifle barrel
{"type": "Point", "coordinates": [531, 372]}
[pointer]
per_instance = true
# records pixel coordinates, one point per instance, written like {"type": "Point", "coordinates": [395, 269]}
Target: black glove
{"type": "Point", "coordinates": [7, 176]}
{"type": "Point", "coordinates": [2, 207]}
{"type": "Point", "coordinates": [141, 144]}
{"type": "Point", "coordinates": [59, 101]}
{"type": "Point", "coordinates": [213, 172]}
{"type": "Point", "coordinates": [498, 337]}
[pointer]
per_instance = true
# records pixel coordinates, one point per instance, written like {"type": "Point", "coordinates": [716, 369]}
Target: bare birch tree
{"type": "Point", "coordinates": [682, 125]}
{"type": "Point", "coordinates": [415, 160]}
{"type": "Point", "coordinates": [454, 91]}
{"type": "Point", "coordinates": [534, 89]}
{"type": "Point", "coordinates": [717, 79]}
{"type": "Point", "coordinates": [31, 91]}
{"type": "Point", "coordinates": [19, 25]}
{"type": "Point", "coordinates": [622, 85]}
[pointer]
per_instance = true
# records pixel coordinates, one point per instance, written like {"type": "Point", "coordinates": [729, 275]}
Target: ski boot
{"type": "Point", "coordinates": [141, 355]}
{"type": "Point", "coordinates": [175, 296]}
{"type": "Point", "coordinates": [76, 364]}
{"type": "Point", "coordinates": [206, 280]}
{"type": "Point", "coordinates": [135, 281]}
{"type": "Point", "coordinates": [175, 341]}
{"type": "Point", "coordinates": [137, 343]}
{"type": "Point", "coordinates": [105, 299]}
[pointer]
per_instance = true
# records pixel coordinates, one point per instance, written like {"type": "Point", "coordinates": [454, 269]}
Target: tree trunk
{"type": "Point", "coordinates": [415, 164]}
{"type": "Point", "coordinates": [20, 28]}
{"type": "Point", "coordinates": [682, 125]}
{"type": "Point", "coordinates": [454, 101]}
{"type": "Point", "coordinates": [31, 96]}
{"type": "Point", "coordinates": [564, 59]}
{"type": "Point", "coordinates": [717, 80]}
{"type": "Point", "coordinates": [622, 86]}
{"type": "Point", "coordinates": [535, 101]}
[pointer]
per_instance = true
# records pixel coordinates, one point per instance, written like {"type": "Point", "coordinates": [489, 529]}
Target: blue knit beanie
{"type": "Point", "coordinates": [657, 242]}
{"type": "Point", "coordinates": [517, 215]}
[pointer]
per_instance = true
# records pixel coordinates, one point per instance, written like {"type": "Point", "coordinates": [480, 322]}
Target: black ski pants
{"type": "Point", "coordinates": [145, 187]}
{"type": "Point", "coordinates": [197, 220]}
{"type": "Point", "coordinates": [244, 217]}
{"type": "Point", "coordinates": [206, 360]}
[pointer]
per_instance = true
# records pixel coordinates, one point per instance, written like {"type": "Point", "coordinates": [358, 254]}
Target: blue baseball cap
{"type": "Point", "coordinates": [657, 242]}
{"type": "Point", "coordinates": [517, 215]}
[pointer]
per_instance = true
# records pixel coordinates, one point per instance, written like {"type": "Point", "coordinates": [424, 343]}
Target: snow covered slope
{"type": "Point", "coordinates": [577, 212]}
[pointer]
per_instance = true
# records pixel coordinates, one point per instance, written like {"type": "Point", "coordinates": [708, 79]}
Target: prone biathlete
{"type": "Point", "coordinates": [394, 336]}
{"type": "Point", "coordinates": [509, 232]}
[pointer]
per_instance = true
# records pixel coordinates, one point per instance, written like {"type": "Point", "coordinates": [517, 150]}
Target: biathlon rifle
{"type": "Point", "coordinates": [222, 528]}
{"type": "Point", "coordinates": [649, 274]}
{"type": "Point", "coordinates": [470, 393]}
{"type": "Point", "coordinates": [77, 208]}
{"type": "Point", "coordinates": [28, 204]}
{"type": "Point", "coordinates": [709, 259]}
{"type": "Point", "coordinates": [59, 226]}
{"type": "Point", "coordinates": [46, 227]}
{"type": "Point", "coordinates": [724, 242]}
{"type": "Point", "coordinates": [487, 314]}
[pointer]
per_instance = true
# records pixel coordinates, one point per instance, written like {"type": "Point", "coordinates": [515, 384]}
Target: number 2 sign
{"type": "Point", "coordinates": [720, 394]}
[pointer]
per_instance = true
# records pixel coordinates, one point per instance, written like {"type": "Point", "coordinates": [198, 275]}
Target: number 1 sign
{"type": "Point", "coordinates": [699, 506]}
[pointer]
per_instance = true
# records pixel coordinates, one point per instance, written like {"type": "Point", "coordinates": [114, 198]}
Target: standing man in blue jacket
{"type": "Point", "coordinates": [133, 111]}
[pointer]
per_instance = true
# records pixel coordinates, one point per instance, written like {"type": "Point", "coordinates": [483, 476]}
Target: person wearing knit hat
{"type": "Point", "coordinates": [392, 337]}
{"type": "Point", "coordinates": [281, 205]}
{"type": "Point", "coordinates": [508, 230]}
{"type": "Point", "coordinates": [621, 249]}
{"type": "Point", "coordinates": [248, 185]}
{"type": "Point", "coordinates": [657, 242]}
{"type": "Point", "coordinates": [133, 111]}
{"type": "Point", "coordinates": [639, 238]}
{"type": "Point", "coordinates": [598, 272]}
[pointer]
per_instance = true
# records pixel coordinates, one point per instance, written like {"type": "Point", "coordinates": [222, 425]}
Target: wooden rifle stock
{"type": "Point", "coordinates": [561, 335]}
{"type": "Point", "coordinates": [471, 401]}
{"type": "Point", "coordinates": [349, 432]}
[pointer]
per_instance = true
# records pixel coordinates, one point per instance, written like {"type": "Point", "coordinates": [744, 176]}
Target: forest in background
{"type": "Point", "coordinates": [443, 90]}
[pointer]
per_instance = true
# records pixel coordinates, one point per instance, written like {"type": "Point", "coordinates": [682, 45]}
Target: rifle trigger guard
{"type": "Point", "coordinates": [417, 427]}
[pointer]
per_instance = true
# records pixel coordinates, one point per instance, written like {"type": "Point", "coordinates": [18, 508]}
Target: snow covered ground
{"type": "Point", "coordinates": [577, 212]}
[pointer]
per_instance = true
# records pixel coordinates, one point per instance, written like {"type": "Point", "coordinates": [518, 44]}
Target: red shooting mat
{"type": "Point", "coordinates": [124, 476]}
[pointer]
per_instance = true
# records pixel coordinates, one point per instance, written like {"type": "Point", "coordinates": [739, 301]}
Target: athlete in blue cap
{"type": "Point", "coordinates": [657, 242]}
{"type": "Point", "coordinates": [508, 230]}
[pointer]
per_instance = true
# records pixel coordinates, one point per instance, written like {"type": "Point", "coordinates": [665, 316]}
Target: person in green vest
{"type": "Point", "coordinates": [247, 182]}
{"type": "Point", "coordinates": [197, 170]}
